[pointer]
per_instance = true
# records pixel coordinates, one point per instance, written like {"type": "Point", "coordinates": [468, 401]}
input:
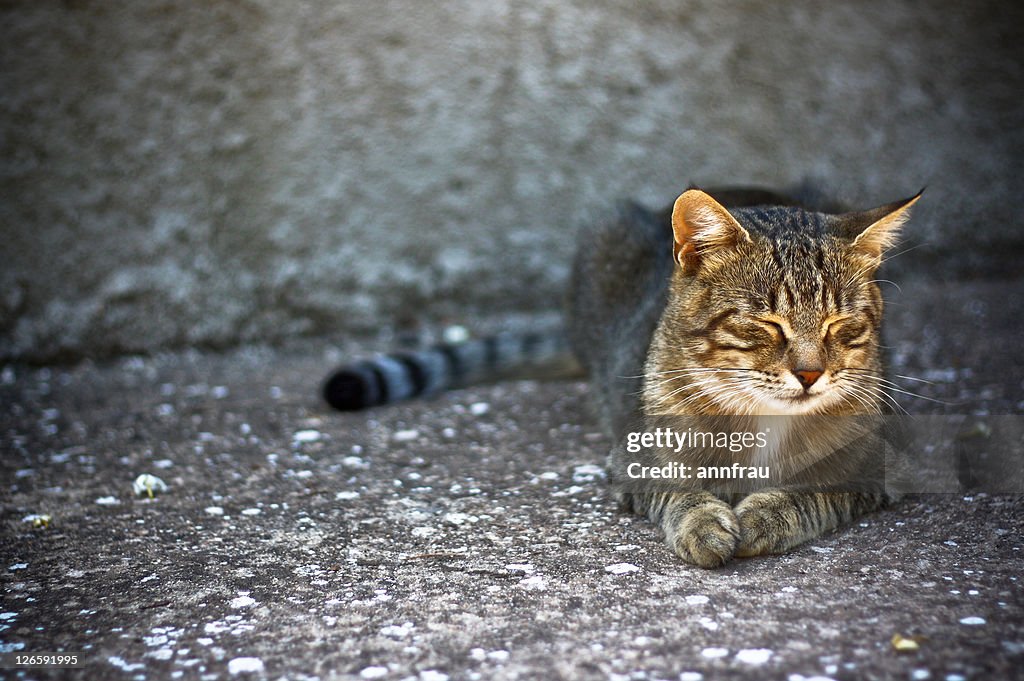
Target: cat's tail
{"type": "Point", "coordinates": [403, 375]}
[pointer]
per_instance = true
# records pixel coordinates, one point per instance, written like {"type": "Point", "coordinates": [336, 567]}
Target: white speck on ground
{"type": "Point", "coordinates": [243, 601]}
{"type": "Point", "coordinates": [587, 472]}
{"type": "Point", "coordinates": [973, 621]}
{"type": "Point", "coordinates": [621, 568]}
{"type": "Point", "coordinates": [17, 566]}
{"type": "Point", "coordinates": [251, 511]}
{"type": "Point", "coordinates": [479, 408]}
{"type": "Point", "coordinates": [245, 665]}
{"type": "Point", "coordinates": [714, 653]}
{"type": "Point", "coordinates": [374, 673]}
{"type": "Point", "coordinates": [346, 496]}
{"type": "Point", "coordinates": [108, 501]}
{"type": "Point", "coordinates": [405, 435]}
{"type": "Point", "coordinates": [214, 510]}
{"type": "Point", "coordinates": [697, 599]}
{"type": "Point", "coordinates": [754, 655]}
{"type": "Point", "coordinates": [460, 518]}
{"type": "Point", "coordinates": [535, 583]}
{"type": "Point", "coordinates": [498, 655]}
{"type": "Point", "coordinates": [306, 436]}
{"type": "Point", "coordinates": [690, 676]}
{"type": "Point", "coordinates": [520, 567]}
{"type": "Point", "coordinates": [124, 666]}
{"type": "Point", "coordinates": [398, 630]}
{"type": "Point", "coordinates": [433, 675]}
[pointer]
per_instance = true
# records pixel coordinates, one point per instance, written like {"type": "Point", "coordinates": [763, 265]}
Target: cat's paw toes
{"type": "Point", "coordinates": [707, 536]}
{"type": "Point", "coordinates": [767, 525]}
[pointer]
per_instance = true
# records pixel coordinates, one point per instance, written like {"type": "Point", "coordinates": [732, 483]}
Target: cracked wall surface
{"type": "Point", "coordinates": [184, 174]}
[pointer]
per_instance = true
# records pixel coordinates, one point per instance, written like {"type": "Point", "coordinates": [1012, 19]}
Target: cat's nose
{"type": "Point", "coordinates": [807, 377]}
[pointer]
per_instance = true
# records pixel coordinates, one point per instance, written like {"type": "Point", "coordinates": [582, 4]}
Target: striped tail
{"type": "Point", "coordinates": [403, 375]}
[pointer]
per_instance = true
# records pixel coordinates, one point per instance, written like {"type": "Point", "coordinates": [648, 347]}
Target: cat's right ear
{"type": "Point", "coordinates": [701, 228]}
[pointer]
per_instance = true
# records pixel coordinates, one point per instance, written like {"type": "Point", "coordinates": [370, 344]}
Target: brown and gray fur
{"type": "Point", "coordinates": [745, 307]}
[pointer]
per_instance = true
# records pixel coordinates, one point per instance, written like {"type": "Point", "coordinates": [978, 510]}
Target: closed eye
{"type": "Point", "coordinates": [777, 327]}
{"type": "Point", "coordinates": [747, 336]}
{"type": "Point", "coordinates": [849, 332]}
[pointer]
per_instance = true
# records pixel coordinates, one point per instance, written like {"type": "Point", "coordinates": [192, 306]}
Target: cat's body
{"type": "Point", "coordinates": [740, 314]}
{"type": "Point", "coordinates": [764, 315]}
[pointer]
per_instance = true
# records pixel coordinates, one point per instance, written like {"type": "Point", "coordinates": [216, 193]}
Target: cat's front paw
{"type": "Point", "coordinates": [769, 523]}
{"type": "Point", "coordinates": [707, 535]}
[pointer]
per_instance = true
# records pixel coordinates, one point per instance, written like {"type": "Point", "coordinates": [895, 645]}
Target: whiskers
{"type": "Point", "coordinates": [730, 388]}
{"type": "Point", "coordinates": [869, 385]}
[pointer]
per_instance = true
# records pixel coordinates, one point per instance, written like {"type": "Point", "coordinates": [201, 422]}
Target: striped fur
{"type": "Point", "coordinates": [390, 378]}
{"type": "Point", "coordinates": [746, 308]}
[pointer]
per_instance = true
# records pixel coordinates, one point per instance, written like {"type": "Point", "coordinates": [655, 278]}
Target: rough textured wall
{"type": "Point", "coordinates": [180, 173]}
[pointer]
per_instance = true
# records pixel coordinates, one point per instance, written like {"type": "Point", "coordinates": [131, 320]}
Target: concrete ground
{"type": "Point", "coordinates": [469, 536]}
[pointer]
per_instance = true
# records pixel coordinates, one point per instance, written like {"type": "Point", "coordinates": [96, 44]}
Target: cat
{"type": "Point", "coordinates": [732, 311]}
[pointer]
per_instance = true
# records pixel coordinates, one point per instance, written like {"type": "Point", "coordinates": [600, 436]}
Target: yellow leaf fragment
{"type": "Point", "coordinates": [904, 644]}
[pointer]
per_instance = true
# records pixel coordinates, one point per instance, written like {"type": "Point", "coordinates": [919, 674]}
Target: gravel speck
{"type": "Point", "coordinates": [245, 665]}
{"type": "Point", "coordinates": [306, 436]}
{"type": "Point", "coordinates": [621, 568]}
{"type": "Point", "coordinates": [405, 435]}
{"type": "Point", "coordinates": [714, 653]}
{"type": "Point", "coordinates": [754, 655]}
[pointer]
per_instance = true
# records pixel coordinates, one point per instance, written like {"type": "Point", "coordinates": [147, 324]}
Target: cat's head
{"type": "Point", "coordinates": [772, 310]}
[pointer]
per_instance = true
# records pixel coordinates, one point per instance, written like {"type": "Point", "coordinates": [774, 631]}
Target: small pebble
{"type": "Point", "coordinates": [245, 665]}
{"type": "Point", "coordinates": [754, 656]}
{"type": "Point", "coordinates": [621, 568]}
{"type": "Point", "coordinates": [306, 436]}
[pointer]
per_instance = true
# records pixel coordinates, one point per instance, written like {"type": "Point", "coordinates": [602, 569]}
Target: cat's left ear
{"type": "Point", "coordinates": [702, 227]}
{"type": "Point", "coordinates": [874, 231]}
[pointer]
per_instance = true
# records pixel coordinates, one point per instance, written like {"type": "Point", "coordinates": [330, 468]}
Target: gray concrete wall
{"type": "Point", "coordinates": [190, 173]}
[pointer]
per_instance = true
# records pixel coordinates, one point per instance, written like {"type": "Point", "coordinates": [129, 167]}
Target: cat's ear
{"type": "Point", "coordinates": [873, 231]}
{"type": "Point", "coordinates": [701, 227]}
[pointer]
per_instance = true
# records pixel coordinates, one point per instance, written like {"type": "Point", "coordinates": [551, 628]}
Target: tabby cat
{"type": "Point", "coordinates": [745, 312]}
